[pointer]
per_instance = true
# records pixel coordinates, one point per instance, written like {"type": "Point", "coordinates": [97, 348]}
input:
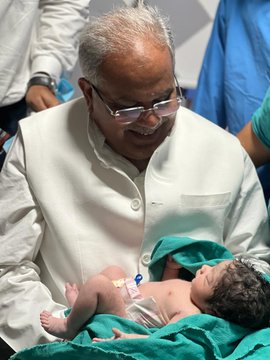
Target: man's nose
{"type": "Point", "coordinates": [149, 119]}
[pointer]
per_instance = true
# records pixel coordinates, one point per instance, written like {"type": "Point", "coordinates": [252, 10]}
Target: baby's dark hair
{"type": "Point", "coordinates": [242, 296]}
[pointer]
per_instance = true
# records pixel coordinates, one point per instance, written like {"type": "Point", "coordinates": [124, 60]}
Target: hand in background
{"type": "Point", "coordinates": [39, 97]}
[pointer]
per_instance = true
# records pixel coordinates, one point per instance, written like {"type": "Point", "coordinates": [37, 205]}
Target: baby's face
{"type": "Point", "coordinates": [202, 286]}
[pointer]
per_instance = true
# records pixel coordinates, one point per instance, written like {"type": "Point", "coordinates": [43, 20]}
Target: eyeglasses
{"type": "Point", "coordinates": [161, 109]}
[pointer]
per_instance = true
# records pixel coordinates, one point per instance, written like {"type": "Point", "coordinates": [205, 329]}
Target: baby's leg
{"type": "Point", "coordinates": [71, 293]}
{"type": "Point", "coordinates": [97, 296]}
{"type": "Point", "coordinates": [114, 272]}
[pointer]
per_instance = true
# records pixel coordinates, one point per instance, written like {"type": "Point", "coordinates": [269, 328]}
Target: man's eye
{"type": "Point", "coordinates": [161, 100]}
{"type": "Point", "coordinates": [122, 107]}
{"type": "Point", "coordinates": [165, 98]}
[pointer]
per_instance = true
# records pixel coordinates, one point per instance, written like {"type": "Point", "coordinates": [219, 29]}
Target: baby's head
{"type": "Point", "coordinates": [234, 291]}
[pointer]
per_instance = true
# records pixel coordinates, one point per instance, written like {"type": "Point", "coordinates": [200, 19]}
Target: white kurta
{"type": "Point", "coordinates": [68, 208]}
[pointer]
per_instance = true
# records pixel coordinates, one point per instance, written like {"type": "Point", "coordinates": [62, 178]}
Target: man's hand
{"type": "Point", "coordinates": [171, 264]}
{"type": "Point", "coordinates": [39, 97]}
{"type": "Point", "coordinates": [171, 269]}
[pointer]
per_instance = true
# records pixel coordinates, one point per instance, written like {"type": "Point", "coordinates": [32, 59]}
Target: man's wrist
{"type": "Point", "coordinates": [173, 265]}
{"type": "Point", "coordinates": [43, 79]}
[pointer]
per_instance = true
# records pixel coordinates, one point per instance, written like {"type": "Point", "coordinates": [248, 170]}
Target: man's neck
{"type": "Point", "coordinates": [141, 165]}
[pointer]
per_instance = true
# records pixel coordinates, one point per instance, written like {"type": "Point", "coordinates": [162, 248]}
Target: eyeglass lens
{"type": "Point", "coordinates": [163, 108]}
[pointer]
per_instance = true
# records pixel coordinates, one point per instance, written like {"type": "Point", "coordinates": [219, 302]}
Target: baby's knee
{"type": "Point", "coordinates": [96, 280]}
{"type": "Point", "coordinates": [97, 284]}
{"type": "Point", "coordinates": [114, 272]}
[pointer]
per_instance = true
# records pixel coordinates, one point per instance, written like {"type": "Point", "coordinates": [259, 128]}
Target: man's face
{"type": "Point", "coordinates": [142, 78]}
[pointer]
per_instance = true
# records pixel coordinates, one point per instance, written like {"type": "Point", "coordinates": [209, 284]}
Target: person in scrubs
{"type": "Point", "coordinates": [236, 68]}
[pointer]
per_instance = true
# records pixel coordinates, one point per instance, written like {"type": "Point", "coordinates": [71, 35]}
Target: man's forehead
{"type": "Point", "coordinates": [134, 64]}
{"type": "Point", "coordinates": [127, 89]}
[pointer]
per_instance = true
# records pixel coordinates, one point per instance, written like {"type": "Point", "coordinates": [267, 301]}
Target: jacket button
{"type": "Point", "coordinates": [145, 259]}
{"type": "Point", "coordinates": [135, 204]}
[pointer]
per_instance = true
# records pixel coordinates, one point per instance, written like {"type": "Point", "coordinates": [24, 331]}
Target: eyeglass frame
{"type": "Point", "coordinates": [179, 98]}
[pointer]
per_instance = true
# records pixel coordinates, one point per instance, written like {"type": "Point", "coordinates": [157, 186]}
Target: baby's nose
{"type": "Point", "coordinates": [204, 268]}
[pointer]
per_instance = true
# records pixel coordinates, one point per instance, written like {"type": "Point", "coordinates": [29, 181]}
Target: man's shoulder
{"type": "Point", "coordinates": [57, 126]}
{"type": "Point", "coordinates": [201, 128]}
{"type": "Point", "coordinates": [55, 116]}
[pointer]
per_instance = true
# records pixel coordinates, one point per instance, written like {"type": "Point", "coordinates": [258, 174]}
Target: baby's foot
{"type": "Point", "coordinates": [72, 292]}
{"type": "Point", "coordinates": [55, 326]}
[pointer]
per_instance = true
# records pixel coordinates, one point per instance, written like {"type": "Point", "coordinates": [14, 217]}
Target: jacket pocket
{"type": "Point", "coordinates": [211, 200]}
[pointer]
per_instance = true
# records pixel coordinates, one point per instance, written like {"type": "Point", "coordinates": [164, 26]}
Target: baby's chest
{"type": "Point", "coordinates": [178, 301]}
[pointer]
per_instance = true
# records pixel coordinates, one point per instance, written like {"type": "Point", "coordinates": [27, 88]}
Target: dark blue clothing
{"type": "Point", "coordinates": [9, 118]}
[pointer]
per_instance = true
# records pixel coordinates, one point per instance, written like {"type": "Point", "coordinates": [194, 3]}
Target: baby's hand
{"type": "Point", "coordinates": [171, 264]}
{"type": "Point", "coordinates": [118, 335]}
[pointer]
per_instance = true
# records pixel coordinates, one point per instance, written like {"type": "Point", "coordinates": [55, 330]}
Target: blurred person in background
{"type": "Point", "coordinates": [235, 73]}
{"type": "Point", "coordinates": [38, 44]}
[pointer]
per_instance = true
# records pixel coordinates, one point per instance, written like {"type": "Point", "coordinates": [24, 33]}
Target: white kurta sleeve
{"type": "Point", "coordinates": [56, 46]}
{"type": "Point", "coordinates": [247, 225]}
{"type": "Point", "coordinates": [22, 295]}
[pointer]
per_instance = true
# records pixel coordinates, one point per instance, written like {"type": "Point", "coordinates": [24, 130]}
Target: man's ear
{"type": "Point", "coordinates": [87, 92]}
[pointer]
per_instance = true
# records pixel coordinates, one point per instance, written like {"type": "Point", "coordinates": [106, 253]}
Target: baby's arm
{"type": "Point", "coordinates": [118, 335]}
{"type": "Point", "coordinates": [171, 270]}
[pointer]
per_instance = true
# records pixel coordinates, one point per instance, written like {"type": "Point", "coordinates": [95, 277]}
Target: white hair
{"type": "Point", "coordinates": [116, 32]}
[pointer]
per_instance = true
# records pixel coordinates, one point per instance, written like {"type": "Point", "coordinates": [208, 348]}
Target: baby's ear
{"type": "Point", "coordinates": [87, 91]}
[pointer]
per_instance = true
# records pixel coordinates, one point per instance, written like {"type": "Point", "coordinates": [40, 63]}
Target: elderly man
{"type": "Point", "coordinates": [99, 180]}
